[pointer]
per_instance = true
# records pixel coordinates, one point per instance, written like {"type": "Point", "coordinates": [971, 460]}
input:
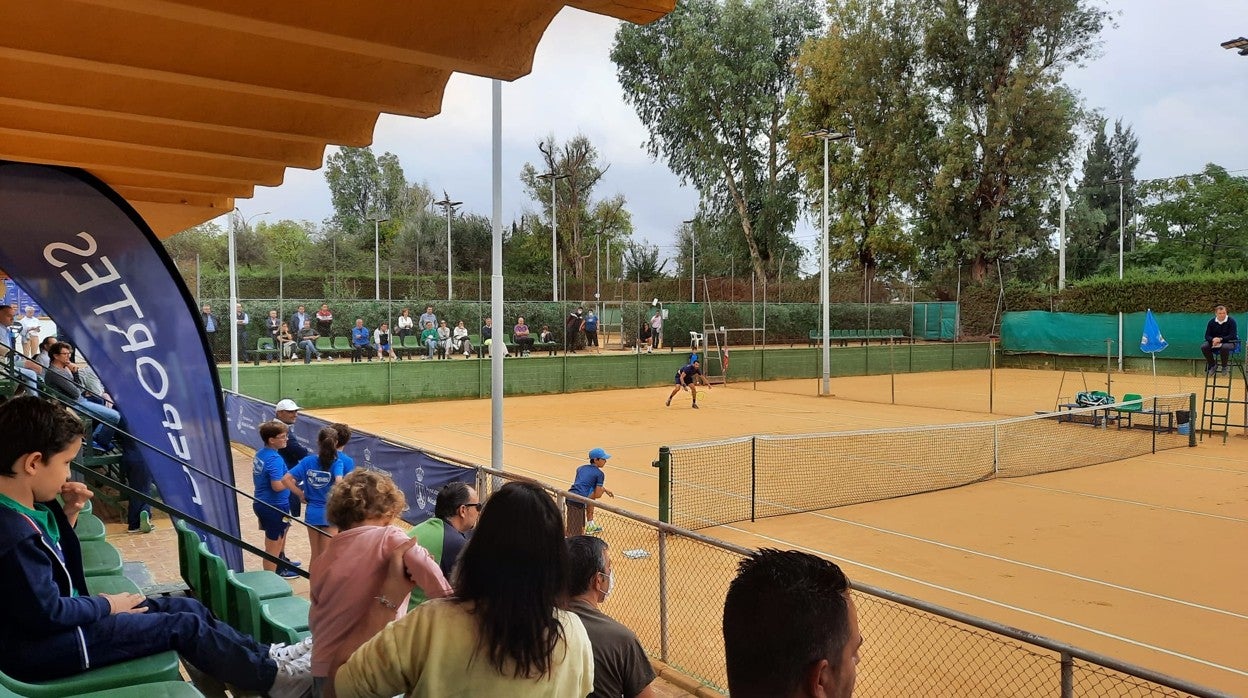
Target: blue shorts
{"type": "Point", "coordinates": [385, 347]}
{"type": "Point", "coordinates": [273, 523]}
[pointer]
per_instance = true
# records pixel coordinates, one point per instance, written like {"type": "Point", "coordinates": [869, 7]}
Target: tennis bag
{"type": "Point", "coordinates": [1093, 399]}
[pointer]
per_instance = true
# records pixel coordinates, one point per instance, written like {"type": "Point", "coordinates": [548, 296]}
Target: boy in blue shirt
{"type": "Point", "coordinates": [50, 627]}
{"type": "Point", "coordinates": [588, 483]}
{"type": "Point", "coordinates": [272, 508]}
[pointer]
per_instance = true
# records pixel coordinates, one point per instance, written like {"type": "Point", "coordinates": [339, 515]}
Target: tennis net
{"type": "Point", "coordinates": [753, 477]}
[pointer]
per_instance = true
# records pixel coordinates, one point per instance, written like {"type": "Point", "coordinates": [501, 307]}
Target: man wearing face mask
{"type": "Point", "coordinates": [621, 668]}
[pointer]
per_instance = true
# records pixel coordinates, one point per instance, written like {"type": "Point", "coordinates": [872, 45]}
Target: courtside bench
{"type": "Point", "coordinates": [863, 337]}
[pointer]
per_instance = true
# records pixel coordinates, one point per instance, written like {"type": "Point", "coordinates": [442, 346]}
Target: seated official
{"type": "Point", "coordinates": [1222, 337]}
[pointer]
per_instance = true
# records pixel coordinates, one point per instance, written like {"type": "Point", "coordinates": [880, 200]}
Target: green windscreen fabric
{"type": "Point", "coordinates": [1084, 335]}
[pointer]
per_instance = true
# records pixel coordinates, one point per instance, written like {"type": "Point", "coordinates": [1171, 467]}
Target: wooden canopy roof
{"type": "Point", "coordinates": [184, 105]}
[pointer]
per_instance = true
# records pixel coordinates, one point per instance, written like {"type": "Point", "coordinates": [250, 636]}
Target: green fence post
{"type": "Point", "coordinates": [664, 464]}
{"type": "Point", "coordinates": [1191, 420]}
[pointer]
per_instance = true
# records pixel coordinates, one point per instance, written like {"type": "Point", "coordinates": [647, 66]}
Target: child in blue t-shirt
{"type": "Point", "coordinates": [314, 477]}
{"type": "Point", "coordinates": [272, 505]}
{"type": "Point", "coordinates": [589, 483]}
{"type": "Point", "coordinates": [344, 437]}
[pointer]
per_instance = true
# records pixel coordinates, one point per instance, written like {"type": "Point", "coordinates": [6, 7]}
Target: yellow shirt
{"type": "Point", "coordinates": [434, 652]}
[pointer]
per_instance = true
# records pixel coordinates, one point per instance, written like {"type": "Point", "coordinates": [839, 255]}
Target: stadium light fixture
{"type": "Point", "coordinates": [449, 206]}
{"type": "Point", "coordinates": [826, 135]}
{"type": "Point", "coordinates": [1241, 44]}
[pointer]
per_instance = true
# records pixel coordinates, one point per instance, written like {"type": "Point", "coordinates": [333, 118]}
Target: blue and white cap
{"type": "Point", "coordinates": [598, 453]}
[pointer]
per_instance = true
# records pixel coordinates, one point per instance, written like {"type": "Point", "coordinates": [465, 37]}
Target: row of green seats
{"type": "Point", "coordinates": [260, 603]}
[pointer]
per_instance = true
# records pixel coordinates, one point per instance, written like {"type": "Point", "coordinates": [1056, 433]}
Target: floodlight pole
{"type": "Point", "coordinates": [693, 261]}
{"type": "Point", "coordinates": [826, 135]}
{"type": "Point", "coordinates": [449, 207]}
{"type": "Point", "coordinates": [554, 177]}
{"type": "Point", "coordinates": [233, 264]}
{"type": "Point", "coordinates": [377, 221]}
{"type": "Point", "coordinates": [1119, 181]}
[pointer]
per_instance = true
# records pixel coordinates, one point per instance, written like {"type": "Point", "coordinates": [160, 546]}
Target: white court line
{"type": "Point", "coordinates": [999, 604]}
{"type": "Point", "coordinates": [1119, 500]}
{"type": "Point", "coordinates": [1038, 568]}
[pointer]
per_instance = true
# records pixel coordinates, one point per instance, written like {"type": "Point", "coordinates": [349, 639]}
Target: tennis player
{"type": "Point", "coordinates": [687, 379]}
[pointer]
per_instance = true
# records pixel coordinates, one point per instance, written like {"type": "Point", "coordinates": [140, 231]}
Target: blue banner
{"type": "Point", "coordinates": [418, 474]}
{"type": "Point", "coordinates": [17, 297]}
{"type": "Point", "coordinates": [1151, 341]}
{"type": "Point", "coordinates": [97, 268]}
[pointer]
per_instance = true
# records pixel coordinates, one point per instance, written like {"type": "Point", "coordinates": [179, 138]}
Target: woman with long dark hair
{"type": "Point", "coordinates": [503, 633]}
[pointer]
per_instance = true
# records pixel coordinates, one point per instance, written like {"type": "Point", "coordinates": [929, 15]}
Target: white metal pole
{"type": "Point", "coordinates": [450, 293]}
{"type": "Point", "coordinates": [233, 263]}
{"type": "Point", "coordinates": [554, 239]}
{"type": "Point", "coordinates": [823, 281]}
{"type": "Point", "coordinates": [693, 266]}
{"type": "Point", "coordinates": [598, 267]}
{"type": "Point", "coordinates": [1061, 240]}
{"type": "Point", "coordinates": [1120, 270]}
{"type": "Point", "coordinates": [496, 283]}
{"type": "Point", "coordinates": [377, 256]}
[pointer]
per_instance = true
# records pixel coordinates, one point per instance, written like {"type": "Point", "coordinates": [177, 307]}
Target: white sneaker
{"type": "Point", "coordinates": [279, 651]}
{"type": "Point", "coordinates": [294, 670]}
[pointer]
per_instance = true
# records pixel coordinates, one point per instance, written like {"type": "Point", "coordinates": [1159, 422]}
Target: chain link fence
{"type": "Point", "coordinates": [670, 585]}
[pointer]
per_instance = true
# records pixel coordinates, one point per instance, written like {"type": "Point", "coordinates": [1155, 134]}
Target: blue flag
{"type": "Point", "coordinates": [1152, 341]}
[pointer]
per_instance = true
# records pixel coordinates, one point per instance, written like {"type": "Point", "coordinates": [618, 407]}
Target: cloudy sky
{"type": "Point", "coordinates": [1161, 71]}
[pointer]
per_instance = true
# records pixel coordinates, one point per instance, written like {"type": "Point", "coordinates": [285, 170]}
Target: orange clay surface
{"type": "Point", "coordinates": [1144, 560]}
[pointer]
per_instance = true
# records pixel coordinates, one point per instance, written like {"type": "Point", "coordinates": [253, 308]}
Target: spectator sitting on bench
{"type": "Point", "coordinates": [462, 342]}
{"type": "Point", "coordinates": [520, 335]}
{"type": "Point", "coordinates": [50, 625]}
{"type": "Point", "coordinates": [444, 339]}
{"type": "Point", "coordinates": [361, 341]}
{"type": "Point", "coordinates": [429, 338]}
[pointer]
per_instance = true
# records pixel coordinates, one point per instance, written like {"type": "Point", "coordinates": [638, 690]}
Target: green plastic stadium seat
{"type": "Point", "coordinates": [111, 584]}
{"type": "Point", "coordinates": [163, 689]}
{"type": "Point", "coordinates": [123, 675]}
{"type": "Point", "coordinates": [342, 345]}
{"type": "Point", "coordinates": [1132, 403]}
{"type": "Point", "coordinates": [89, 527]}
{"type": "Point", "coordinates": [283, 619]}
{"type": "Point", "coordinates": [220, 583]}
{"type": "Point", "coordinates": [188, 541]}
{"type": "Point", "coordinates": [325, 345]}
{"type": "Point", "coordinates": [100, 558]}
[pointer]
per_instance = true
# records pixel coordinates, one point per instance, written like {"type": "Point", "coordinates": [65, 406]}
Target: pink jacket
{"type": "Point", "coordinates": [346, 580]}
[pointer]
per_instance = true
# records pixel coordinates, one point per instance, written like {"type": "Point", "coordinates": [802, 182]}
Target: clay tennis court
{"type": "Point", "coordinates": [1141, 559]}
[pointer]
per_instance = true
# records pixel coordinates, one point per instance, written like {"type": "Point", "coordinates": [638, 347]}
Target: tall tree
{"type": "Point", "coordinates": [711, 82]}
{"type": "Point", "coordinates": [362, 185]}
{"type": "Point", "coordinates": [866, 74]}
{"type": "Point", "coordinates": [1093, 228]}
{"type": "Point", "coordinates": [641, 262]}
{"type": "Point", "coordinates": [1006, 120]}
{"type": "Point", "coordinates": [1200, 222]}
{"type": "Point", "coordinates": [578, 160]}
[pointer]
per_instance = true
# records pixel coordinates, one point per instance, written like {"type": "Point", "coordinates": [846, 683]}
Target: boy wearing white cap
{"type": "Point", "coordinates": [588, 483]}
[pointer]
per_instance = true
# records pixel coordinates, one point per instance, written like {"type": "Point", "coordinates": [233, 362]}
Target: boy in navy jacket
{"type": "Point", "coordinates": [50, 626]}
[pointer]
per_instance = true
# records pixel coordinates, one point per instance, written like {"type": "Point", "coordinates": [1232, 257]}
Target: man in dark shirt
{"type": "Point", "coordinates": [455, 513]}
{"type": "Point", "coordinates": [1221, 336]}
{"type": "Point", "coordinates": [621, 668]}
